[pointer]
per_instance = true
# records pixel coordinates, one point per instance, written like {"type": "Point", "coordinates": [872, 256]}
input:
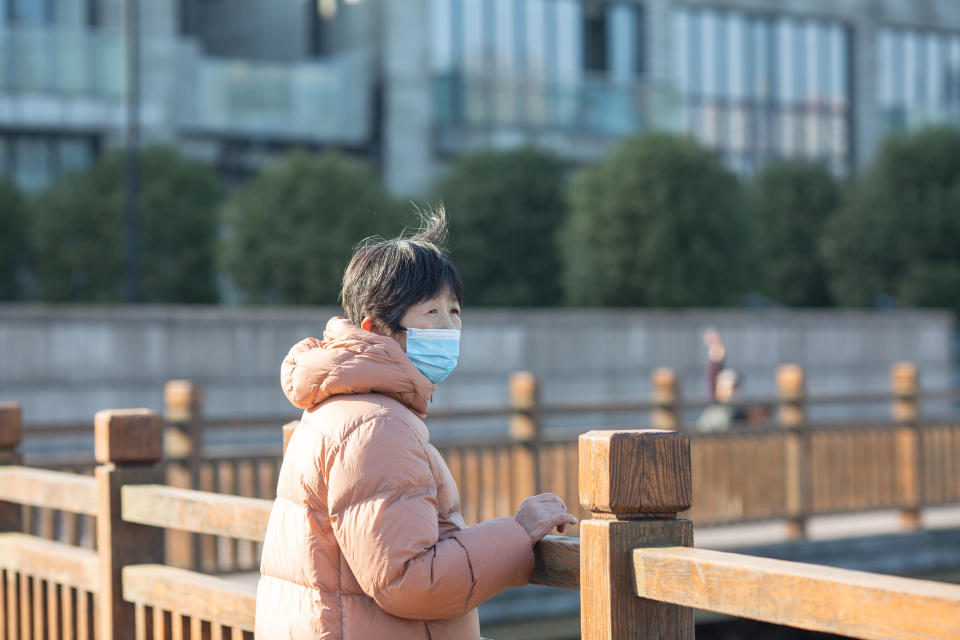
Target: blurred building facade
{"type": "Point", "coordinates": [411, 84]}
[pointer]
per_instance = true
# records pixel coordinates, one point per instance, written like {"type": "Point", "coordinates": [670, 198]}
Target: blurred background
{"type": "Point", "coordinates": [633, 185]}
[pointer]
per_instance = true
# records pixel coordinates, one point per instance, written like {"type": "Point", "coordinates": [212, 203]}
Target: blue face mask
{"type": "Point", "coordinates": [434, 351]}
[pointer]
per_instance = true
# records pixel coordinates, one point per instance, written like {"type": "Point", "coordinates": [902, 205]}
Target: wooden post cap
{"type": "Point", "coordinates": [128, 435]}
{"type": "Point", "coordinates": [664, 384]}
{"type": "Point", "coordinates": [635, 472]}
{"type": "Point", "coordinates": [181, 399]}
{"type": "Point", "coordinates": [523, 389]}
{"type": "Point", "coordinates": [903, 378]}
{"type": "Point", "coordinates": [11, 425]}
{"type": "Point", "coordinates": [790, 381]}
{"type": "Point", "coordinates": [288, 430]}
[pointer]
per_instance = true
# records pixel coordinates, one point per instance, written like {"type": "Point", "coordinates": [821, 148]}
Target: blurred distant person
{"type": "Point", "coordinates": [716, 352]}
{"type": "Point", "coordinates": [724, 412]}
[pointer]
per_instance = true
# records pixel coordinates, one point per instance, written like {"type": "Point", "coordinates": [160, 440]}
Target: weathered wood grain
{"type": "Point", "coordinates": [639, 471]}
{"type": "Point", "coordinates": [851, 603]}
{"type": "Point", "coordinates": [11, 435]}
{"type": "Point", "coordinates": [49, 489]}
{"type": "Point", "coordinates": [127, 435]}
{"type": "Point", "coordinates": [49, 560]}
{"type": "Point", "coordinates": [197, 511]}
{"type": "Point", "coordinates": [11, 425]}
{"type": "Point", "coordinates": [197, 595]}
{"type": "Point", "coordinates": [557, 562]}
{"type": "Point", "coordinates": [128, 444]}
{"type": "Point", "coordinates": [608, 608]}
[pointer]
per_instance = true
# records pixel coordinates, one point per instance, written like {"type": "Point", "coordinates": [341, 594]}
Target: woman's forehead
{"type": "Point", "coordinates": [444, 297]}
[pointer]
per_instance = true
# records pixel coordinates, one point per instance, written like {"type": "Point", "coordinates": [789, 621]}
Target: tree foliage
{"type": "Point", "coordinates": [505, 209]}
{"type": "Point", "coordinates": [13, 241]}
{"type": "Point", "coordinates": [289, 234]}
{"type": "Point", "coordinates": [789, 205]}
{"type": "Point", "coordinates": [898, 233]}
{"type": "Point", "coordinates": [78, 232]}
{"type": "Point", "coordinates": [659, 222]}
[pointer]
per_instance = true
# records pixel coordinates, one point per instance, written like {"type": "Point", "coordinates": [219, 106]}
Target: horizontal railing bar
{"type": "Point", "coordinates": [470, 412]}
{"type": "Point", "coordinates": [49, 560]}
{"type": "Point", "coordinates": [557, 562]}
{"type": "Point", "coordinates": [50, 489]}
{"type": "Point", "coordinates": [197, 595]}
{"type": "Point", "coordinates": [196, 511]}
{"type": "Point", "coordinates": [806, 596]}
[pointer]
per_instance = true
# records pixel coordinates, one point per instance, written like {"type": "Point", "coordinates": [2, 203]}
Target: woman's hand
{"type": "Point", "coordinates": [540, 514]}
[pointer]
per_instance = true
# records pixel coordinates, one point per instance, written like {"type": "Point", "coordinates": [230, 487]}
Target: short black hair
{"type": "Point", "coordinates": [386, 277]}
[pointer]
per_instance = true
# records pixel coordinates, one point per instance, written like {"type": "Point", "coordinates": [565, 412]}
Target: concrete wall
{"type": "Point", "coordinates": [65, 363]}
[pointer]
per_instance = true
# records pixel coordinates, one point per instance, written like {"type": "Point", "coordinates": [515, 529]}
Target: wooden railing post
{"type": "Point", "coordinates": [525, 431]}
{"type": "Point", "coordinates": [288, 430]}
{"type": "Point", "coordinates": [791, 388]}
{"type": "Point", "coordinates": [634, 483]}
{"type": "Point", "coordinates": [182, 442]}
{"type": "Point", "coordinates": [127, 444]}
{"type": "Point", "coordinates": [11, 436]}
{"type": "Point", "coordinates": [666, 398]}
{"type": "Point", "coordinates": [906, 413]}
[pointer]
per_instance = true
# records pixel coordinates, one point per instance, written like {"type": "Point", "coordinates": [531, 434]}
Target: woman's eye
{"type": "Point", "coordinates": [455, 311]}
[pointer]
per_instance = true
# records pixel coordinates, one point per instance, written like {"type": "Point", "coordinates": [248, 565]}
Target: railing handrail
{"type": "Point", "coordinates": [48, 489]}
{"type": "Point", "coordinates": [196, 511]}
{"type": "Point", "coordinates": [814, 597]}
{"type": "Point", "coordinates": [189, 593]}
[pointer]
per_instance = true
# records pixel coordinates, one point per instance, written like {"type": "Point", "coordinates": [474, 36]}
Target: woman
{"type": "Point", "coordinates": [365, 539]}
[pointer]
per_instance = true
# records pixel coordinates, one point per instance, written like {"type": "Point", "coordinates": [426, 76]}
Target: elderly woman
{"type": "Point", "coordinates": [365, 540]}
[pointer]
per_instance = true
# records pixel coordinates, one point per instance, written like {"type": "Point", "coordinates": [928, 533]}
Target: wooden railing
{"type": "Point", "coordinates": [809, 470]}
{"type": "Point", "coordinates": [633, 564]}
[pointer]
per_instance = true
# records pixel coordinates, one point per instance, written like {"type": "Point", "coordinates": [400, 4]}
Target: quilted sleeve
{"type": "Point", "coordinates": [382, 498]}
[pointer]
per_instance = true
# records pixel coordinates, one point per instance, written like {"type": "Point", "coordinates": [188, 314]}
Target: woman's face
{"type": "Point", "coordinates": [440, 312]}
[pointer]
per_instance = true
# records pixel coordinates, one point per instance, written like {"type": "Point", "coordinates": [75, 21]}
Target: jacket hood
{"type": "Point", "coordinates": [350, 360]}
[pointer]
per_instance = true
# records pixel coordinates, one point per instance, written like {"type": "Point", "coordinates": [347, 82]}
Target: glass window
{"type": "Point", "coordinates": [955, 70]}
{"type": "Point", "coordinates": [505, 39]}
{"type": "Point", "coordinates": [738, 62]}
{"type": "Point", "coordinates": [536, 35]}
{"type": "Point", "coordinates": [721, 53]}
{"type": "Point", "coordinates": [74, 155]}
{"type": "Point", "coordinates": [595, 38]}
{"type": "Point", "coordinates": [708, 57]}
{"type": "Point", "coordinates": [72, 13]}
{"type": "Point", "coordinates": [696, 60]}
{"type": "Point", "coordinates": [32, 12]}
{"type": "Point", "coordinates": [568, 39]}
{"type": "Point", "coordinates": [681, 51]}
{"type": "Point", "coordinates": [621, 44]}
{"type": "Point", "coordinates": [32, 163]}
{"type": "Point", "coordinates": [473, 21]}
{"type": "Point", "coordinates": [441, 35]}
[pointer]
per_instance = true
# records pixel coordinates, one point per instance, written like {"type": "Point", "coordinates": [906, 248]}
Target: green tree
{"type": "Point", "coordinates": [898, 232]}
{"type": "Point", "coordinates": [658, 223]}
{"type": "Point", "coordinates": [789, 206]}
{"type": "Point", "coordinates": [289, 234]}
{"type": "Point", "coordinates": [505, 209]}
{"type": "Point", "coordinates": [13, 241]}
{"type": "Point", "coordinates": [78, 232]}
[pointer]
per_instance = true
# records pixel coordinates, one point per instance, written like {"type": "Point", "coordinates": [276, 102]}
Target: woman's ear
{"type": "Point", "coordinates": [371, 325]}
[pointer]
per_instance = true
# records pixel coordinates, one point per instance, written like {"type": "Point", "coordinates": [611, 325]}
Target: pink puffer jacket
{"type": "Point", "coordinates": [365, 540]}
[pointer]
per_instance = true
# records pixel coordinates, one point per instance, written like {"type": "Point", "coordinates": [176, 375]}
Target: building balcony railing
{"type": "Point", "coordinates": [65, 62]}
{"type": "Point", "coordinates": [588, 106]}
{"type": "Point", "coordinates": [316, 101]}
